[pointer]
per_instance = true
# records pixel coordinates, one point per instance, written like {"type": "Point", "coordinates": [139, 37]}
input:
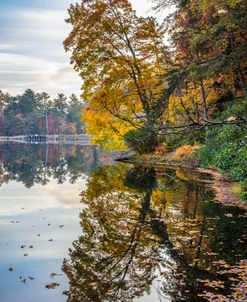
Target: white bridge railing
{"type": "Point", "coordinates": [53, 139]}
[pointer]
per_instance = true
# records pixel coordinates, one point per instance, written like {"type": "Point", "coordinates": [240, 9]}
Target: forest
{"type": "Point", "coordinates": [39, 113]}
{"type": "Point", "coordinates": [173, 86]}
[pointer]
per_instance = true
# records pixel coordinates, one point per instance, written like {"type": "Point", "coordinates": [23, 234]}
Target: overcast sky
{"type": "Point", "coordinates": [31, 50]}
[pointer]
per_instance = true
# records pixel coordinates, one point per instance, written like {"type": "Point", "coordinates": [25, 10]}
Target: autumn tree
{"type": "Point", "coordinates": [122, 61]}
{"type": "Point", "coordinates": [209, 39]}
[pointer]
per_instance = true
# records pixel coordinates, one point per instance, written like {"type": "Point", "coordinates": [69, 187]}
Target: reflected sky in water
{"type": "Point", "coordinates": [32, 211]}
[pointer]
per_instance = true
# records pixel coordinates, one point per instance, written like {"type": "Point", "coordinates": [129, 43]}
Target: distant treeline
{"type": "Point", "coordinates": [39, 113]}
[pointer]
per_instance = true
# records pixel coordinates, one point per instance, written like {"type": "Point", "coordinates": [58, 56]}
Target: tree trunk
{"type": "Point", "coordinates": [237, 64]}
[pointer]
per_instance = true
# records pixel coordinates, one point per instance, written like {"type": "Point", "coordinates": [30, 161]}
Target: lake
{"type": "Point", "coordinates": [77, 226]}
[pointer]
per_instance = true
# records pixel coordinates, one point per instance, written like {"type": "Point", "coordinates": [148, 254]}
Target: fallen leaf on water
{"type": "Point", "coordinates": [51, 285]}
{"type": "Point", "coordinates": [52, 275]}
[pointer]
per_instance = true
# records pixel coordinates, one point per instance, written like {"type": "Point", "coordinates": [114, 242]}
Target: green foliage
{"type": "Point", "coordinates": [177, 140]}
{"type": "Point", "coordinates": [226, 147]}
{"type": "Point", "coordinates": [141, 140]}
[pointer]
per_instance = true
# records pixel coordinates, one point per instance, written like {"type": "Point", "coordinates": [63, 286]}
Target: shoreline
{"type": "Point", "coordinates": [220, 183]}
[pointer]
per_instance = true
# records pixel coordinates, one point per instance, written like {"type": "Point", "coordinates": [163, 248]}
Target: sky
{"type": "Point", "coordinates": [31, 49]}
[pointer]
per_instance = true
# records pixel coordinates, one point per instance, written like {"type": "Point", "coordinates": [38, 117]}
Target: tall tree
{"type": "Point", "coordinates": [4, 97]}
{"type": "Point", "coordinates": [122, 60]}
{"type": "Point", "coordinates": [114, 260]}
{"type": "Point", "coordinates": [74, 114]}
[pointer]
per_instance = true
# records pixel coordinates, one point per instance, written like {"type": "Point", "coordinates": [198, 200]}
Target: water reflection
{"type": "Point", "coordinates": [37, 164]}
{"type": "Point", "coordinates": [39, 215]}
{"type": "Point", "coordinates": [149, 237]}
{"type": "Point", "coordinates": [147, 234]}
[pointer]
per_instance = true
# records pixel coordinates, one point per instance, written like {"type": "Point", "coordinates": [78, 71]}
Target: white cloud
{"type": "Point", "coordinates": [31, 47]}
{"type": "Point", "coordinates": [19, 72]}
{"type": "Point", "coordinates": [141, 7]}
{"type": "Point", "coordinates": [32, 53]}
{"type": "Point", "coordinates": [7, 46]}
{"type": "Point", "coordinates": [33, 29]}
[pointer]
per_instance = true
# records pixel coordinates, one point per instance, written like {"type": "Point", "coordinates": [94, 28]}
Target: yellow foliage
{"type": "Point", "coordinates": [157, 197]}
{"type": "Point", "coordinates": [189, 102]}
{"type": "Point", "coordinates": [218, 4]}
{"type": "Point", "coordinates": [236, 189]}
{"type": "Point", "coordinates": [106, 130]}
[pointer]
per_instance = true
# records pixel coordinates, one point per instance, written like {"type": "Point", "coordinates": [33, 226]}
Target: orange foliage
{"type": "Point", "coordinates": [162, 149]}
{"type": "Point", "coordinates": [186, 150]}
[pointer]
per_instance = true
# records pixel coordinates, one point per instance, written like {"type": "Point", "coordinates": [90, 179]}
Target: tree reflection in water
{"type": "Point", "coordinates": [125, 245]}
{"type": "Point", "coordinates": [142, 234]}
{"type": "Point", "coordinates": [38, 164]}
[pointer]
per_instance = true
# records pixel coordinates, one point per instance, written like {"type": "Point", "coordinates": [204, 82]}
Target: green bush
{"type": "Point", "coordinates": [226, 147]}
{"type": "Point", "coordinates": [179, 140]}
{"type": "Point", "coordinates": [141, 140]}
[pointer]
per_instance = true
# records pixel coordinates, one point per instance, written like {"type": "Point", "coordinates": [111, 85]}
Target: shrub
{"type": "Point", "coordinates": [141, 140]}
{"type": "Point", "coordinates": [178, 140]}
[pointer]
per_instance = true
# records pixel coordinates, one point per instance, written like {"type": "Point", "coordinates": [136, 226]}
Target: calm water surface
{"type": "Point", "coordinates": [92, 230]}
